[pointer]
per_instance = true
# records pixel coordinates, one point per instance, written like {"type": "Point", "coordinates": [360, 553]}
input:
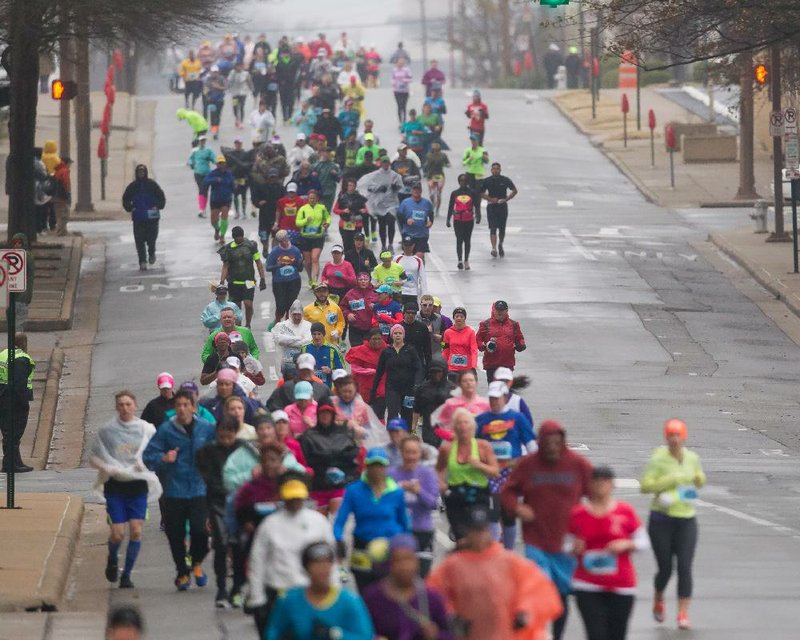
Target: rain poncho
{"type": "Point", "coordinates": [117, 453]}
{"type": "Point", "coordinates": [489, 588]}
{"type": "Point", "coordinates": [381, 188]}
{"type": "Point", "coordinates": [289, 337]}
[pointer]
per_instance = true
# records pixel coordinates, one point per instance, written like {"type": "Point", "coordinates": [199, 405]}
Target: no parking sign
{"type": "Point", "coordinates": [13, 262]}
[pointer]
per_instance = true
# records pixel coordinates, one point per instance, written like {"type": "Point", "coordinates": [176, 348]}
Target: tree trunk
{"type": "Point", "coordinates": [66, 62]}
{"type": "Point", "coordinates": [747, 178]}
{"type": "Point", "coordinates": [506, 49]}
{"type": "Point", "coordinates": [24, 38]}
{"type": "Point", "coordinates": [83, 123]}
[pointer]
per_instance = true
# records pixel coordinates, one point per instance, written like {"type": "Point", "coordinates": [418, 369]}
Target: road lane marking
{"type": "Point", "coordinates": [576, 243]}
{"type": "Point", "coordinates": [565, 203]}
{"type": "Point", "coordinates": [761, 522]}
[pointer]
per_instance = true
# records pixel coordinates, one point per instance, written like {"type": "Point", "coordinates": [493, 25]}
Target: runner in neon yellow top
{"type": "Point", "coordinates": [474, 160]}
{"type": "Point", "coordinates": [388, 272]}
{"type": "Point", "coordinates": [313, 220]}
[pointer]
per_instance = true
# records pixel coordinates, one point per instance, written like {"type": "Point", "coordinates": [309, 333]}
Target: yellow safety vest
{"type": "Point", "coordinates": [18, 354]}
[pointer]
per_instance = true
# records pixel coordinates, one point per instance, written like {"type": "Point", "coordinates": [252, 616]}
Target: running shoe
{"type": "Point", "coordinates": [500, 251]}
{"type": "Point", "coordinates": [125, 582]}
{"type": "Point", "coordinates": [466, 265]}
{"type": "Point", "coordinates": [183, 582]}
{"type": "Point", "coordinates": [658, 611]}
{"type": "Point", "coordinates": [152, 259]}
{"type": "Point", "coordinates": [112, 571]}
{"type": "Point", "coordinates": [494, 253]}
{"type": "Point", "coordinates": [254, 214]}
{"type": "Point", "coordinates": [201, 214]}
{"type": "Point", "coordinates": [221, 600]}
{"type": "Point", "coordinates": [460, 266]}
{"type": "Point", "coordinates": [683, 622]}
{"type": "Point", "coordinates": [216, 234]}
{"type": "Point", "coordinates": [374, 237]}
{"type": "Point", "coordinates": [236, 600]}
{"type": "Point", "coordinates": [200, 577]}
{"type": "Point", "coordinates": [142, 266]}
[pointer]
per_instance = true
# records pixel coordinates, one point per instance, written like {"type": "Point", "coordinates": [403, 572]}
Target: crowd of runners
{"type": "Point", "coordinates": [323, 492]}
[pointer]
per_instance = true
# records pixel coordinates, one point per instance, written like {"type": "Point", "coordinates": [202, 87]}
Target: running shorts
{"type": "Point", "coordinates": [240, 292]}
{"type": "Point", "coordinates": [218, 204]}
{"type": "Point", "coordinates": [121, 509]}
{"type": "Point", "coordinates": [497, 216]}
{"type": "Point", "coordinates": [307, 244]}
{"type": "Point", "coordinates": [421, 245]}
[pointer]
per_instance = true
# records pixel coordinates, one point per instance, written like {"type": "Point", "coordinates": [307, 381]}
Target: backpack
{"type": "Point", "coordinates": [464, 208]}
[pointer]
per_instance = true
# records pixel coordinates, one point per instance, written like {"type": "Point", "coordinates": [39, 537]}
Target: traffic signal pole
{"type": "Point", "coordinates": [779, 235]}
{"type": "Point", "coordinates": [10, 452]}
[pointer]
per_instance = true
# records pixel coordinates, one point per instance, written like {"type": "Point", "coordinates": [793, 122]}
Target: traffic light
{"type": "Point", "coordinates": [553, 3]}
{"type": "Point", "coordinates": [761, 74]}
{"type": "Point", "coordinates": [63, 89]}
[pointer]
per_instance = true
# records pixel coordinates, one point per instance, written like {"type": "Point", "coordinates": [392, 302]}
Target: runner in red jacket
{"type": "Point", "coordinates": [499, 338]}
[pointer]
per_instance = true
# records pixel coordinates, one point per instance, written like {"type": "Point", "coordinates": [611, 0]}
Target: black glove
{"type": "Point", "coordinates": [448, 224]}
{"type": "Point", "coordinates": [478, 219]}
{"type": "Point", "coordinates": [520, 621]}
{"type": "Point", "coordinates": [262, 284]}
{"type": "Point", "coordinates": [341, 549]}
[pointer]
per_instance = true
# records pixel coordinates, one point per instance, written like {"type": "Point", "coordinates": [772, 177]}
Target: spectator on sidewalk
{"type": "Point", "coordinates": [144, 199]}
{"type": "Point", "coordinates": [62, 195]}
{"type": "Point", "coordinates": [20, 396]}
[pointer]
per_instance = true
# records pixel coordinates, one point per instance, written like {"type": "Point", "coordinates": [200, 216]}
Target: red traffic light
{"type": "Point", "coordinates": [63, 89]}
{"type": "Point", "coordinates": [761, 74]}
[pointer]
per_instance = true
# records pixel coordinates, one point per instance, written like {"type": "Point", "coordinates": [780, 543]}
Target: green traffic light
{"type": "Point", "coordinates": [553, 3]}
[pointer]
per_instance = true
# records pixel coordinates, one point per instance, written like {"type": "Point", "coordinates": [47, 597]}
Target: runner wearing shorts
{"type": "Point", "coordinates": [285, 263]}
{"type": "Point", "coordinates": [498, 190]}
{"type": "Point", "coordinates": [238, 258]}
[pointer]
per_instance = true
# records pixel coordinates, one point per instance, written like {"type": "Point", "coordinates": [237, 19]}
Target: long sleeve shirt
{"type": "Point", "coordinates": [295, 617]}
{"type": "Point", "coordinates": [380, 517]}
{"type": "Point", "coordinates": [673, 482]}
{"type": "Point", "coordinates": [420, 505]}
{"type": "Point", "coordinates": [401, 368]}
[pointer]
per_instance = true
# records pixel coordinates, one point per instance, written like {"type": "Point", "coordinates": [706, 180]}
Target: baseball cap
{"type": "Point", "coordinates": [400, 147]}
{"type": "Point", "coordinates": [603, 472]}
{"type": "Point", "coordinates": [338, 374]}
{"type": "Point", "coordinates": [233, 361]}
{"type": "Point", "coordinates": [221, 337]}
{"type": "Point", "coordinates": [397, 424]}
{"type": "Point", "coordinates": [501, 305]}
{"type": "Point", "coordinates": [408, 240]}
{"type": "Point", "coordinates": [479, 518]}
{"type": "Point", "coordinates": [238, 140]}
{"type": "Point", "coordinates": [337, 247]}
{"type": "Point", "coordinates": [384, 288]}
{"type": "Point", "coordinates": [221, 159]}
{"type": "Point", "coordinates": [235, 336]}
{"type": "Point", "coordinates": [190, 385]}
{"type": "Point", "coordinates": [202, 137]}
{"type": "Point", "coordinates": [320, 285]}
{"type": "Point", "coordinates": [498, 389]}
{"type": "Point", "coordinates": [294, 490]}
{"type": "Point", "coordinates": [165, 381]}
{"type": "Point", "coordinates": [676, 426]}
{"type": "Point", "coordinates": [369, 136]}
{"type": "Point", "coordinates": [326, 407]}
{"type": "Point", "coordinates": [221, 289]}
{"type": "Point", "coordinates": [437, 301]}
{"type": "Point", "coordinates": [301, 136]}
{"type": "Point", "coordinates": [383, 159]}
{"type": "Point", "coordinates": [358, 236]}
{"type": "Point", "coordinates": [306, 361]}
{"type": "Point", "coordinates": [503, 373]}
{"type": "Point", "coordinates": [280, 414]}
{"type": "Point", "coordinates": [385, 254]}
{"type": "Point", "coordinates": [410, 307]}
{"type": "Point", "coordinates": [303, 390]}
{"type": "Point", "coordinates": [377, 455]}
{"type": "Point", "coordinates": [291, 187]}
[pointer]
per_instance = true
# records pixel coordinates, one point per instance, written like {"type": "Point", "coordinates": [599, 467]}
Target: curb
{"type": "Point", "coordinates": [47, 414]}
{"type": "Point", "coordinates": [598, 144]}
{"type": "Point", "coordinates": [63, 322]}
{"type": "Point", "coordinates": [755, 271]}
{"type": "Point", "coordinates": [57, 566]}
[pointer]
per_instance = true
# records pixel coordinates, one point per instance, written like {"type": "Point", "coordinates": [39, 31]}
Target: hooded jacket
{"type": "Point", "coordinates": [363, 362]}
{"type": "Point", "coordinates": [508, 337]}
{"type": "Point", "coordinates": [551, 489]}
{"type": "Point", "coordinates": [210, 462]}
{"type": "Point", "coordinates": [50, 156]}
{"type": "Point", "coordinates": [431, 395]}
{"type": "Point", "coordinates": [195, 120]}
{"type": "Point", "coordinates": [290, 337]}
{"type": "Point", "coordinates": [381, 188]}
{"type": "Point", "coordinates": [143, 198]}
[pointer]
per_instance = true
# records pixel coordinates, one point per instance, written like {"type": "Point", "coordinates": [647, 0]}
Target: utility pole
{"type": "Point", "coordinates": [424, 25]}
{"type": "Point", "coordinates": [747, 178]}
{"type": "Point", "coordinates": [506, 52]}
{"type": "Point", "coordinates": [65, 55]}
{"type": "Point", "coordinates": [779, 235]}
{"type": "Point", "coordinates": [451, 41]}
{"type": "Point", "coordinates": [83, 121]}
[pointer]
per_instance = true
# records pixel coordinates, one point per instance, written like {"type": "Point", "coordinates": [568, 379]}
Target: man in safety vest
{"type": "Point", "coordinates": [20, 395]}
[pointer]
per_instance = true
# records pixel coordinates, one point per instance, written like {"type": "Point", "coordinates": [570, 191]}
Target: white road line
{"type": "Point", "coordinates": [565, 203]}
{"type": "Point", "coordinates": [761, 522]}
{"type": "Point", "coordinates": [576, 243]}
{"type": "Point", "coordinates": [448, 281]}
{"type": "Point", "coordinates": [626, 483]}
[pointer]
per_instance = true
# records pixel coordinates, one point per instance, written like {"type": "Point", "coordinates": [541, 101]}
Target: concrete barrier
{"type": "Point", "coordinates": [722, 148]}
{"type": "Point", "coordinates": [684, 128]}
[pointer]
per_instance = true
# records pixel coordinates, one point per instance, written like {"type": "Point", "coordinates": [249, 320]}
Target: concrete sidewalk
{"type": "Point", "coordinates": [696, 184]}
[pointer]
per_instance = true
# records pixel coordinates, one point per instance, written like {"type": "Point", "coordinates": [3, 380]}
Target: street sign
{"type": "Point", "coordinates": [776, 124]}
{"type": "Point", "coordinates": [790, 120]}
{"type": "Point", "coordinates": [792, 174]}
{"type": "Point", "coordinates": [13, 260]}
{"type": "Point", "coordinates": [3, 287]}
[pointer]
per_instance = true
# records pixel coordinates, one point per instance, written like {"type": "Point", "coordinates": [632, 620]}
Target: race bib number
{"type": "Point", "coordinates": [600, 563]}
{"type": "Point", "coordinates": [360, 560]}
{"type": "Point", "coordinates": [286, 271]}
{"type": "Point", "coordinates": [419, 215]}
{"type": "Point", "coordinates": [193, 75]}
{"type": "Point", "coordinates": [358, 305]}
{"type": "Point", "coordinates": [410, 278]}
{"type": "Point", "coordinates": [408, 402]}
{"type": "Point", "coordinates": [291, 354]}
{"type": "Point", "coordinates": [241, 181]}
{"type": "Point", "coordinates": [502, 449]}
{"type": "Point", "coordinates": [153, 214]}
{"type": "Point", "coordinates": [349, 226]}
{"type": "Point", "coordinates": [310, 230]}
{"type": "Point", "coordinates": [458, 361]}
{"type": "Point", "coordinates": [249, 284]}
{"type": "Point", "coordinates": [390, 280]}
{"type": "Point", "coordinates": [271, 86]}
{"type": "Point", "coordinates": [687, 493]}
{"type": "Point", "coordinates": [265, 508]}
{"type": "Point", "coordinates": [385, 329]}
{"type": "Point", "coordinates": [290, 211]}
{"type": "Point", "coordinates": [331, 317]}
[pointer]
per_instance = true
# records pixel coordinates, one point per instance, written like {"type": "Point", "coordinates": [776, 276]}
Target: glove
{"type": "Point", "coordinates": [448, 224]}
{"type": "Point", "coordinates": [478, 219]}
{"type": "Point", "coordinates": [262, 284]}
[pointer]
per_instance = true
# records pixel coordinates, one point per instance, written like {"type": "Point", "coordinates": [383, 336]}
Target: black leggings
{"type": "Point", "coordinates": [386, 229]}
{"type": "Point", "coordinates": [673, 537]}
{"type": "Point", "coordinates": [238, 107]}
{"type": "Point", "coordinates": [145, 234]}
{"type": "Point", "coordinates": [463, 237]}
{"type": "Point", "coordinates": [605, 614]}
{"type": "Point", "coordinates": [176, 512]}
{"type": "Point", "coordinates": [287, 101]}
{"type": "Point", "coordinates": [402, 101]}
{"type": "Point", "coordinates": [394, 403]}
{"type": "Point", "coordinates": [219, 542]}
